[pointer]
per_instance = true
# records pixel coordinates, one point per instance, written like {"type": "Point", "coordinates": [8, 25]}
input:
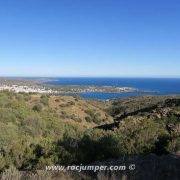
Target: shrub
{"type": "Point", "coordinates": [37, 107]}
{"type": "Point", "coordinates": [93, 116]}
{"type": "Point", "coordinates": [44, 100]}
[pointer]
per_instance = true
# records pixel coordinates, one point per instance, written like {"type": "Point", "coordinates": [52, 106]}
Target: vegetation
{"type": "Point", "coordinates": [36, 131]}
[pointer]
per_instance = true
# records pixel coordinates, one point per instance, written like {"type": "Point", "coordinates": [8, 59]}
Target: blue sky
{"type": "Point", "coordinates": [90, 38]}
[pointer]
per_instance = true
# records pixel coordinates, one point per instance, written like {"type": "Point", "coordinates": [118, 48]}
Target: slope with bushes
{"type": "Point", "coordinates": [40, 130]}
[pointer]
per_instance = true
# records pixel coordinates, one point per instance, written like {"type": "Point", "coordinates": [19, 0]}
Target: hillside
{"type": "Point", "coordinates": [40, 130]}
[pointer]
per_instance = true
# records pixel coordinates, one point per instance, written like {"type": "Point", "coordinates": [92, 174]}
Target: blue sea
{"type": "Point", "coordinates": [150, 86]}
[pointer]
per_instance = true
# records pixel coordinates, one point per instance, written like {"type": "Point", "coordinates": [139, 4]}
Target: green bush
{"type": "Point", "coordinates": [37, 107]}
{"type": "Point", "coordinates": [93, 116]}
{"type": "Point", "coordinates": [44, 100]}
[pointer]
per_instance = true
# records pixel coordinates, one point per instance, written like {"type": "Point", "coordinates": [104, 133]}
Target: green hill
{"type": "Point", "coordinates": [40, 130]}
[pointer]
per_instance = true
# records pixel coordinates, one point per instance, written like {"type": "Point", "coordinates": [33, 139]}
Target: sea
{"type": "Point", "coordinates": [146, 86]}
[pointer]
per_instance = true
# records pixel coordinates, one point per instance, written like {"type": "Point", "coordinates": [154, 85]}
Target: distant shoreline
{"type": "Point", "coordinates": [93, 88]}
{"type": "Point", "coordinates": [27, 88]}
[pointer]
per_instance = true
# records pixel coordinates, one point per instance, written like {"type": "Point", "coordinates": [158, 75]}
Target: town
{"type": "Point", "coordinates": [26, 89]}
{"type": "Point", "coordinates": [63, 89]}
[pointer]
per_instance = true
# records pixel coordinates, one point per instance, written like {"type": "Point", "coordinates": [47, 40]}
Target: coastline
{"type": "Point", "coordinates": [92, 88]}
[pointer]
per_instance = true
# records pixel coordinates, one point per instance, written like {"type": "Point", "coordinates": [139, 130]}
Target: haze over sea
{"type": "Point", "coordinates": [151, 86]}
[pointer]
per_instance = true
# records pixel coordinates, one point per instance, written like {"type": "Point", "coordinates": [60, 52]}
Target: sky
{"type": "Point", "coordinates": [99, 38]}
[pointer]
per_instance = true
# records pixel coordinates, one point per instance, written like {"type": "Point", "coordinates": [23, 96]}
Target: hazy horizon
{"type": "Point", "coordinates": [141, 77]}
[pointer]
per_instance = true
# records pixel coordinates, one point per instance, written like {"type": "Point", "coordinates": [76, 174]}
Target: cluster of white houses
{"type": "Point", "coordinates": [25, 89]}
{"type": "Point", "coordinates": [39, 89]}
{"type": "Point", "coordinates": [103, 89]}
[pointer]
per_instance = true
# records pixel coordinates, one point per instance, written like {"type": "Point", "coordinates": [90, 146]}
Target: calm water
{"type": "Point", "coordinates": [154, 86]}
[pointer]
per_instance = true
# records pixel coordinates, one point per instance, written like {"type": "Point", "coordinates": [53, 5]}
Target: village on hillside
{"type": "Point", "coordinates": [62, 89]}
